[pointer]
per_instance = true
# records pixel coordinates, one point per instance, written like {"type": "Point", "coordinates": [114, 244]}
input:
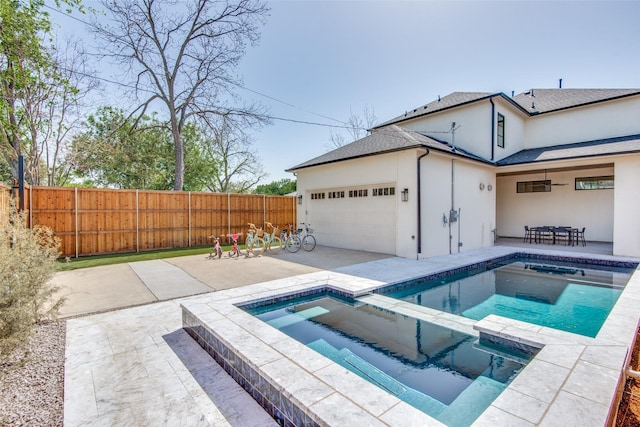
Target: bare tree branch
{"type": "Point", "coordinates": [182, 54]}
{"type": "Point", "coordinates": [357, 128]}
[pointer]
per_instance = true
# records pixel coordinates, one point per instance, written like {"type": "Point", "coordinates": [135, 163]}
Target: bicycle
{"type": "Point", "coordinates": [308, 241]}
{"type": "Point", "coordinates": [235, 250]}
{"type": "Point", "coordinates": [273, 242]}
{"type": "Point", "coordinates": [255, 244]}
{"type": "Point", "coordinates": [216, 250]}
{"type": "Point", "coordinates": [291, 240]}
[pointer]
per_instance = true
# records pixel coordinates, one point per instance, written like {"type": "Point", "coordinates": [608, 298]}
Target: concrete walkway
{"type": "Point", "coordinates": [99, 289]}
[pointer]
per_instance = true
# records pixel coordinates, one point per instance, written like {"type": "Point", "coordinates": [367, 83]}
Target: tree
{"type": "Point", "coordinates": [237, 167]}
{"type": "Point", "coordinates": [357, 127]}
{"type": "Point", "coordinates": [181, 55]}
{"type": "Point", "coordinates": [61, 114]}
{"type": "Point", "coordinates": [26, 72]}
{"type": "Point", "coordinates": [119, 152]}
{"type": "Point", "coordinates": [279, 188]}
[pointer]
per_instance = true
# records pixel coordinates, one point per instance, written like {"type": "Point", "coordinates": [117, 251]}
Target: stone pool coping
{"type": "Point", "coordinates": [573, 380]}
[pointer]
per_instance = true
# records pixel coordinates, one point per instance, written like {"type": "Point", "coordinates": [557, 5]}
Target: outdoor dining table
{"type": "Point", "coordinates": [552, 233]}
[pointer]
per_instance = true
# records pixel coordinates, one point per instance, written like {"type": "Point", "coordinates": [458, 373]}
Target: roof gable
{"type": "Point", "coordinates": [537, 101]}
{"type": "Point", "coordinates": [532, 102]}
{"type": "Point", "coordinates": [387, 140]}
{"type": "Point", "coordinates": [455, 99]}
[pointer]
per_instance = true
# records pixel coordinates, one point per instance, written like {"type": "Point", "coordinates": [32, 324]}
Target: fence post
{"type": "Point", "coordinates": [189, 218]}
{"type": "Point", "coordinates": [264, 209]}
{"type": "Point", "coordinates": [75, 208]}
{"type": "Point", "coordinates": [31, 207]}
{"type": "Point", "coordinates": [228, 213]}
{"type": "Point", "coordinates": [137, 223]}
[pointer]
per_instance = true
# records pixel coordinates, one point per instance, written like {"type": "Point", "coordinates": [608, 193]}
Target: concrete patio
{"type": "Point", "coordinates": [137, 366]}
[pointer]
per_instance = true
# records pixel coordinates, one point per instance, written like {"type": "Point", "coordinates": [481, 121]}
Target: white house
{"type": "Point", "coordinates": [442, 177]}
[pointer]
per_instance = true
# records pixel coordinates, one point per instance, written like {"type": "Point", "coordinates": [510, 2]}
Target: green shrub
{"type": "Point", "coordinates": [27, 263]}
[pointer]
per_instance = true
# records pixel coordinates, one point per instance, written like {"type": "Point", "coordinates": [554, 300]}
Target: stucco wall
{"type": "Point", "coordinates": [474, 131]}
{"type": "Point", "coordinates": [514, 128]}
{"type": "Point", "coordinates": [602, 120]}
{"type": "Point", "coordinates": [627, 207]}
{"type": "Point", "coordinates": [476, 205]}
{"type": "Point", "coordinates": [474, 134]}
{"type": "Point", "coordinates": [562, 206]}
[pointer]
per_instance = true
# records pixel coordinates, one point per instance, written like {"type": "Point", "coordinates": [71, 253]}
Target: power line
{"type": "Point", "coordinates": [343, 124]}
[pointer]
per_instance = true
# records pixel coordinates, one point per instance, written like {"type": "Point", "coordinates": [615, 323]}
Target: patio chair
{"type": "Point", "coordinates": [528, 234]}
{"type": "Point", "coordinates": [580, 237]}
{"type": "Point", "coordinates": [561, 234]}
{"type": "Point", "coordinates": [544, 234]}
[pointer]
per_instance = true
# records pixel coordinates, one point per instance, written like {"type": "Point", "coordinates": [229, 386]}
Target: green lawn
{"type": "Point", "coordinates": [93, 261]}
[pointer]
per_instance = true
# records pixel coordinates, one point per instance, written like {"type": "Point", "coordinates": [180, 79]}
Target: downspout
{"type": "Point", "coordinates": [419, 204]}
{"type": "Point", "coordinates": [493, 125]}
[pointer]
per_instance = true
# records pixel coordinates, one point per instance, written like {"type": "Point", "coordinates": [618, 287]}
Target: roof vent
{"type": "Point", "coordinates": [438, 98]}
{"type": "Point", "coordinates": [513, 92]}
{"type": "Point", "coordinates": [405, 114]}
{"type": "Point", "coordinates": [415, 110]}
{"type": "Point", "coordinates": [425, 107]}
{"type": "Point", "coordinates": [533, 106]}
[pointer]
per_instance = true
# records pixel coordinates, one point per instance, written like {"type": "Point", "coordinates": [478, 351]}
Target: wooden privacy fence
{"type": "Point", "coordinates": [5, 197]}
{"type": "Point", "coordinates": [98, 221]}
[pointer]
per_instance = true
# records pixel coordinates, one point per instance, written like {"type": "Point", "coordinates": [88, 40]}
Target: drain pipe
{"type": "Point", "coordinates": [633, 374]}
{"type": "Point", "coordinates": [419, 204]}
{"type": "Point", "coordinates": [493, 124]}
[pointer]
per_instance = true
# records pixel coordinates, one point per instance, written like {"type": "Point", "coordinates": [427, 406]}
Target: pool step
{"type": "Point", "coordinates": [349, 360]}
{"type": "Point", "coordinates": [364, 369]}
{"type": "Point", "coordinates": [299, 316]}
{"type": "Point", "coordinates": [472, 401]}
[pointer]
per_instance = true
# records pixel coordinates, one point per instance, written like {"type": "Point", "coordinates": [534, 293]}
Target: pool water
{"type": "Point", "coordinates": [575, 298]}
{"type": "Point", "coordinates": [450, 375]}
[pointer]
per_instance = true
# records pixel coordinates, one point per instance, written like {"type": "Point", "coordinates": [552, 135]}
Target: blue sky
{"type": "Point", "coordinates": [328, 58]}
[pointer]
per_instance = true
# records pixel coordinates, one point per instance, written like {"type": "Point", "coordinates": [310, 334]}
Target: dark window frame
{"type": "Point", "coordinates": [500, 132]}
{"type": "Point", "coordinates": [598, 182]}
{"type": "Point", "coordinates": [541, 186]}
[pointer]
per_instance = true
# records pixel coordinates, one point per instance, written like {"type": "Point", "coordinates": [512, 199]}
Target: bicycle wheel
{"type": "Point", "coordinates": [258, 246]}
{"type": "Point", "coordinates": [292, 244]}
{"type": "Point", "coordinates": [275, 245]}
{"type": "Point", "coordinates": [309, 242]}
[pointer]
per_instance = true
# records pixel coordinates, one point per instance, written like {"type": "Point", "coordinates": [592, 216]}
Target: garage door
{"type": "Point", "coordinates": [354, 218]}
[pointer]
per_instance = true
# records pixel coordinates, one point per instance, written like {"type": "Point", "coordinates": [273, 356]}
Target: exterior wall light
{"type": "Point", "coordinates": [300, 199]}
{"type": "Point", "coordinates": [405, 195]}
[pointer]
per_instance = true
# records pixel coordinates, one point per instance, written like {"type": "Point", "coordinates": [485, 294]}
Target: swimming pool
{"type": "Point", "coordinates": [572, 297]}
{"type": "Point", "coordinates": [450, 375]}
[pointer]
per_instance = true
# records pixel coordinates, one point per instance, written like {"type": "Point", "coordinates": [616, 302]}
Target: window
{"type": "Point", "coordinates": [385, 191]}
{"type": "Point", "coordinates": [500, 130]}
{"type": "Point", "coordinates": [336, 194]}
{"type": "Point", "coordinates": [358, 193]}
{"type": "Point", "coordinates": [534, 186]}
{"type": "Point", "coordinates": [317, 196]}
{"type": "Point", "coordinates": [594, 183]}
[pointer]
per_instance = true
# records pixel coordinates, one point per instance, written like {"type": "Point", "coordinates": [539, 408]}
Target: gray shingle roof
{"type": "Point", "coordinates": [537, 101]}
{"type": "Point", "coordinates": [454, 99]}
{"type": "Point", "coordinates": [542, 101]}
{"type": "Point", "coordinates": [389, 139]}
{"type": "Point", "coordinates": [600, 147]}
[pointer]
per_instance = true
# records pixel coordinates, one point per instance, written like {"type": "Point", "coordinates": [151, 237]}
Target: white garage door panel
{"type": "Point", "coordinates": [362, 224]}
